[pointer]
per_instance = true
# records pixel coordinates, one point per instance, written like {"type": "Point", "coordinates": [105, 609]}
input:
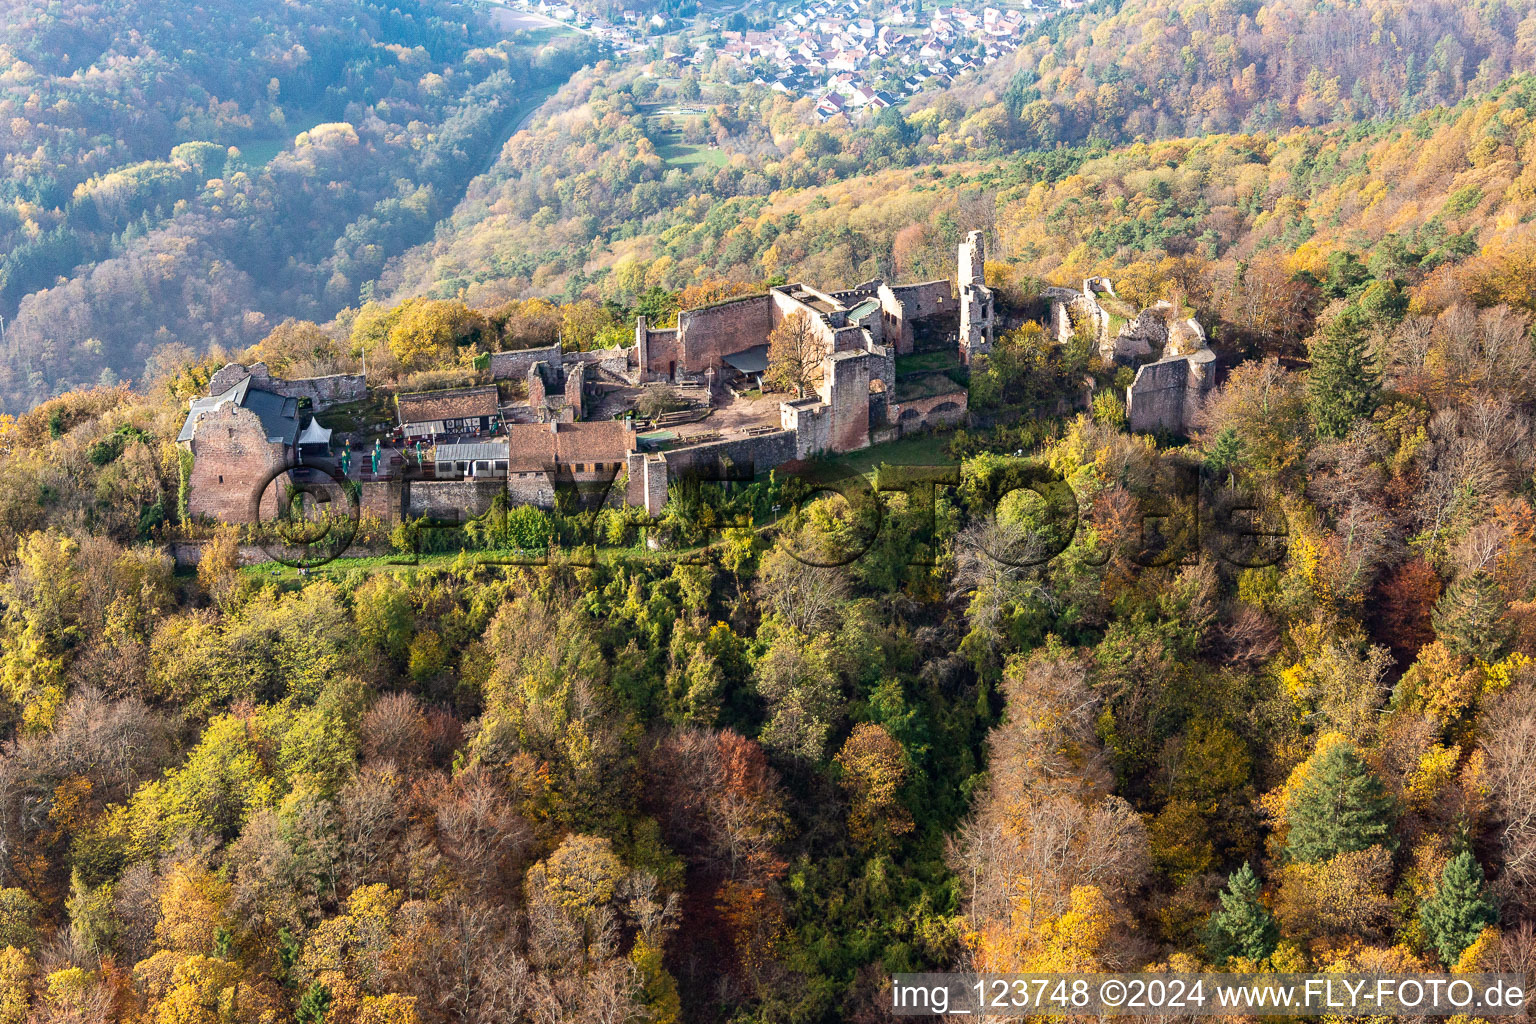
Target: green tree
{"type": "Point", "coordinates": [1469, 617]}
{"type": "Point", "coordinates": [1340, 807]}
{"type": "Point", "coordinates": [1226, 451]}
{"type": "Point", "coordinates": [1459, 910]}
{"type": "Point", "coordinates": [313, 1005]}
{"type": "Point", "coordinates": [18, 918]}
{"type": "Point", "coordinates": [1243, 927]}
{"type": "Point", "coordinates": [1345, 382]}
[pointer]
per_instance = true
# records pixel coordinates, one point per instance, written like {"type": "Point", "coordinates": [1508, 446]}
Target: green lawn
{"type": "Point", "coordinates": [259, 152]}
{"type": "Point", "coordinates": [682, 154]}
{"type": "Point", "coordinates": [916, 450]}
{"type": "Point", "coordinates": [927, 362]}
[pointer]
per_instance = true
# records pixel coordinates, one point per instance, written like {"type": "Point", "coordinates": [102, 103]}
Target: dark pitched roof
{"type": "Point", "coordinates": [279, 414]}
{"type": "Point", "coordinates": [535, 446]}
{"type": "Point", "coordinates": [453, 404]}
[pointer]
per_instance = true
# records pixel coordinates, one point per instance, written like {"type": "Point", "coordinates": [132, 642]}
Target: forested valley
{"type": "Point", "coordinates": [191, 174]}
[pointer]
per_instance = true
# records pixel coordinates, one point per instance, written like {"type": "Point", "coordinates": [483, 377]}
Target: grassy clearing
{"type": "Point", "coordinates": [676, 153]}
{"type": "Point", "coordinates": [259, 152]}
{"type": "Point", "coordinates": [925, 385]}
{"type": "Point", "coordinates": [927, 362]}
{"type": "Point", "coordinates": [916, 450]}
{"type": "Point", "coordinates": [362, 416]}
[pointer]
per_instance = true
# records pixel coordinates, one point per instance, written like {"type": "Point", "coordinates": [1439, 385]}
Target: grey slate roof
{"type": "Point", "coordinates": [484, 451]}
{"type": "Point", "coordinates": [750, 360]}
{"type": "Point", "coordinates": [279, 414]}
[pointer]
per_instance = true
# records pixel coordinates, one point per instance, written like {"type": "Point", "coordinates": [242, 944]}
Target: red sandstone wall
{"type": "Point", "coordinates": [710, 334]}
{"type": "Point", "coordinates": [231, 456]}
{"type": "Point", "coordinates": [662, 351]}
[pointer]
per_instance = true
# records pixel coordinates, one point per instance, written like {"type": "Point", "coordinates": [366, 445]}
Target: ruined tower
{"type": "Point", "coordinates": [975, 299]}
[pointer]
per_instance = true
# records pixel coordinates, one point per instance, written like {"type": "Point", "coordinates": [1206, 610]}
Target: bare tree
{"type": "Point", "coordinates": [1510, 745]}
{"type": "Point", "coordinates": [794, 354]}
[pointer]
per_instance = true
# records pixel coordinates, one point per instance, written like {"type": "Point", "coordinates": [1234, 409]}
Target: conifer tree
{"type": "Point", "coordinates": [1469, 620]}
{"type": "Point", "coordinates": [1225, 453]}
{"type": "Point", "coordinates": [1459, 910]}
{"type": "Point", "coordinates": [1243, 927]}
{"type": "Point", "coordinates": [1344, 383]}
{"type": "Point", "coordinates": [1340, 807]}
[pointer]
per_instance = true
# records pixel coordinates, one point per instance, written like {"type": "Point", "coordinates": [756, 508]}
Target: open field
{"type": "Point", "coordinates": [676, 153]}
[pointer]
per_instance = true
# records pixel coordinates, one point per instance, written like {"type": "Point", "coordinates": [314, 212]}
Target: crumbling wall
{"type": "Point", "coordinates": [514, 365]}
{"type": "Point", "coordinates": [321, 392]}
{"type": "Point", "coordinates": [616, 362]}
{"type": "Point", "coordinates": [1070, 308]}
{"type": "Point", "coordinates": [1155, 399]}
{"type": "Point", "coordinates": [1141, 337]}
{"type": "Point", "coordinates": [759, 452]}
{"type": "Point", "coordinates": [658, 352]}
{"type": "Point", "coordinates": [1168, 394]}
{"type": "Point", "coordinates": [538, 389]}
{"type": "Point", "coordinates": [706, 336]}
{"type": "Point", "coordinates": [976, 303]}
{"type": "Point", "coordinates": [925, 299]}
{"type": "Point", "coordinates": [575, 384]}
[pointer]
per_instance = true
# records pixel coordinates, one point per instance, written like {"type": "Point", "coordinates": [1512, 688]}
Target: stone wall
{"type": "Point", "coordinates": [459, 500]}
{"type": "Point", "coordinates": [647, 484]}
{"type": "Point", "coordinates": [1069, 308]}
{"type": "Point", "coordinates": [926, 299]}
{"type": "Point", "coordinates": [606, 356]}
{"type": "Point", "coordinates": [322, 392]}
{"type": "Point", "coordinates": [901, 305]}
{"type": "Point", "coordinates": [946, 410]}
{"type": "Point", "coordinates": [231, 458]}
{"type": "Point", "coordinates": [1141, 337]}
{"type": "Point", "coordinates": [810, 420]}
{"type": "Point", "coordinates": [786, 305]}
{"type": "Point", "coordinates": [575, 384]}
{"type": "Point", "coordinates": [515, 365]}
{"type": "Point", "coordinates": [658, 352]}
{"type": "Point", "coordinates": [185, 554]}
{"type": "Point", "coordinates": [706, 336]}
{"type": "Point", "coordinates": [761, 452]}
{"type": "Point", "coordinates": [532, 488]}
{"type": "Point", "coordinates": [383, 499]}
{"type": "Point", "coordinates": [538, 392]}
{"type": "Point", "coordinates": [845, 387]}
{"type": "Point", "coordinates": [976, 305]}
{"type": "Point", "coordinates": [1167, 395]}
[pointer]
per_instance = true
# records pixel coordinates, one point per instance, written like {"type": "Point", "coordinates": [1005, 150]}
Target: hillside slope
{"type": "Point", "coordinates": [191, 174]}
{"type": "Point", "coordinates": [1130, 69]}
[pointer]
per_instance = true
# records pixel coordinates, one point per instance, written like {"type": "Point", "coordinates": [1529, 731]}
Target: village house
{"type": "Point", "coordinates": [452, 411]}
{"type": "Point", "coordinates": [583, 454]}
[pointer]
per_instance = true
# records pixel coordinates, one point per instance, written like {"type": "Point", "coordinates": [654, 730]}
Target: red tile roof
{"type": "Point", "coordinates": [535, 446]}
{"type": "Point", "coordinates": [453, 404]}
